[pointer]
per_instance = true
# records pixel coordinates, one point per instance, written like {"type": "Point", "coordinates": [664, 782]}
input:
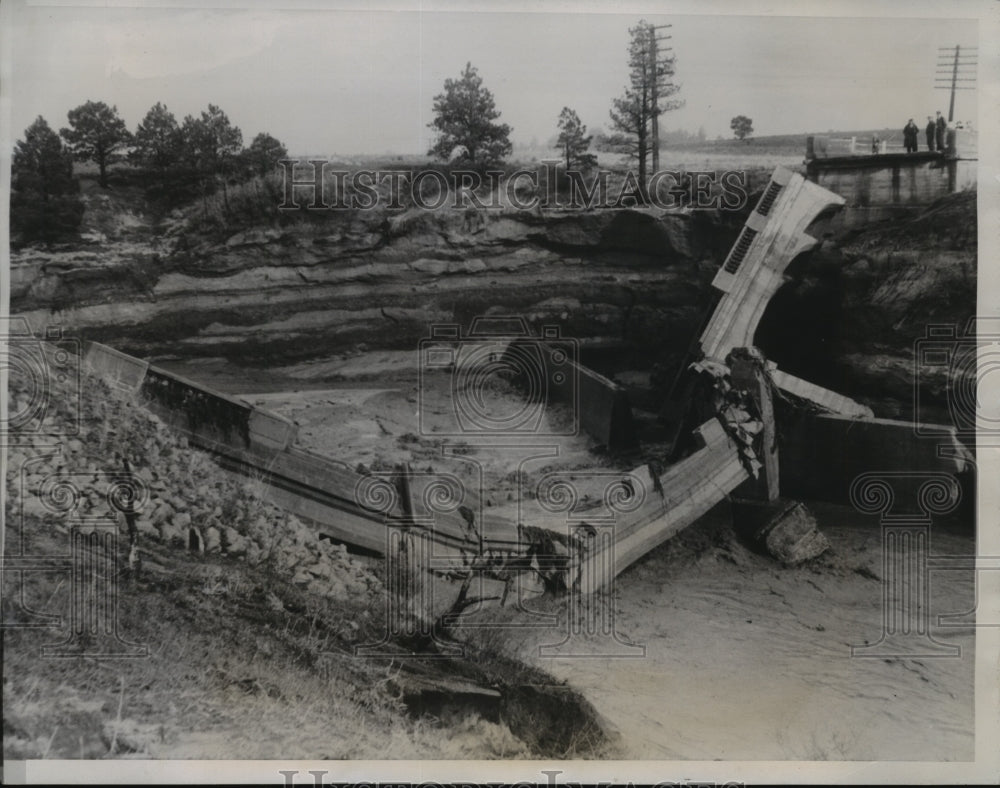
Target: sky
{"type": "Point", "coordinates": [340, 79]}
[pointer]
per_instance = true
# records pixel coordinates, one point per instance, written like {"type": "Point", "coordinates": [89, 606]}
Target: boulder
{"type": "Point", "coordinates": [784, 529]}
{"type": "Point", "coordinates": [233, 542]}
{"type": "Point", "coordinates": [332, 587]}
{"type": "Point", "coordinates": [794, 537]}
{"type": "Point", "coordinates": [254, 554]}
{"type": "Point", "coordinates": [260, 527]}
{"type": "Point", "coordinates": [163, 513]}
{"type": "Point", "coordinates": [173, 535]}
{"type": "Point", "coordinates": [213, 540]}
{"type": "Point", "coordinates": [147, 529]}
{"type": "Point", "coordinates": [321, 570]}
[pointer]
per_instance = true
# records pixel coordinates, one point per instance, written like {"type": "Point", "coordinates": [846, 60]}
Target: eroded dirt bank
{"type": "Point", "coordinates": [632, 285]}
{"type": "Point", "coordinates": [370, 280]}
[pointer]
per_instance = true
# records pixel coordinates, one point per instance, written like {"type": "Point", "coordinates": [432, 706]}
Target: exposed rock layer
{"type": "Point", "coordinates": [633, 280]}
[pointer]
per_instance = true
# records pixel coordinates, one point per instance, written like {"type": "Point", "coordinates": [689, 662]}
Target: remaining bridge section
{"type": "Point", "coordinates": [883, 185]}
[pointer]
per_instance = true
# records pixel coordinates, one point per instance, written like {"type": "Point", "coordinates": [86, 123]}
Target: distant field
{"type": "Point", "coordinates": [787, 150]}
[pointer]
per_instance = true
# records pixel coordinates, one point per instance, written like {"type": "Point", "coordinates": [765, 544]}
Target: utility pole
{"type": "Point", "coordinates": [962, 68]}
{"type": "Point", "coordinates": [656, 67]}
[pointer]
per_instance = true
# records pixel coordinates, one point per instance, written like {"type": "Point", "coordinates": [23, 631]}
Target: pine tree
{"type": "Point", "coordinates": [44, 201]}
{"type": "Point", "coordinates": [40, 164]}
{"type": "Point", "coordinates": [157, 140]}
{"type": "Point", "coordinates": [464, 116]}
{"type": "Point", "coordinates": [96, 133]}
{"type": "Point", "coordinates": [264, 154]}
{"type": "Point", "coordinates": [211, 147]}
{"type": "Point", "coordinates": [573, 140]}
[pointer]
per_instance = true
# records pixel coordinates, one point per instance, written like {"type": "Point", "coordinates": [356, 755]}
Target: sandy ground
{"type": "Point", "coordinates": [744, 659]}
{"type": "Point", "coordinates": [747, 660]}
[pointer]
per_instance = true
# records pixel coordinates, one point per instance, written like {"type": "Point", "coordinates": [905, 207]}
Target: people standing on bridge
{"type": "Point", "coordinates": [931, 132]}
{"type": "Point", "coordinates": [875, 143]}
{"type": "Point", "coordinates": [910, 135]}
{"type": "Point", "coordinates": [941, 126]}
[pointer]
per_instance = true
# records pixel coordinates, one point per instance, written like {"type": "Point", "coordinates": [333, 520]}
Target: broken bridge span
{"type": "Point", "coordinates": [642, 508]}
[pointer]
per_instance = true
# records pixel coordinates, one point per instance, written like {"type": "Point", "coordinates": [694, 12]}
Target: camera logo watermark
{"type": "Point", "coordinates": [952, 364]}
{"type": "Point", "coordinates": [36, 367]}
{"type": "Point", "coordinates": [495, 389]}
{"type": "Point", "coordinates": [498, 353]}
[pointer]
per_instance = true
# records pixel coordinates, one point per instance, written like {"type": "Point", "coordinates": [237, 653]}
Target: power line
{"type": "Point", "coordinates": [956, 63]}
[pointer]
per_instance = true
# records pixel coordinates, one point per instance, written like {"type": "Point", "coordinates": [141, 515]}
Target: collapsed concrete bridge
{"type": "Point", "coordinates": [735, 452]}
{"type": "Point", "coordinates": [363, 509]}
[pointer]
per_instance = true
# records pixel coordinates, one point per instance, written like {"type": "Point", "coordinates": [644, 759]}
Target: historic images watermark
{"type": "Point", "coordinates": [950, 364]}
{"type": "Point", "coordinates": [546, 777]}
{"type": "Point", "coordinates": [40, 364]}
{"type": "Point", "coordinates": [317, 186]}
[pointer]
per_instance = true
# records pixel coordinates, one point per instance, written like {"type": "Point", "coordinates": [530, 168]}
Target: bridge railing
{"type": "Point", "coordinates": [818, 147]}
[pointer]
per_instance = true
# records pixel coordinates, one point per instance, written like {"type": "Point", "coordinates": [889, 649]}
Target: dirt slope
{"type": "Point", "coordinates": [233, 627]}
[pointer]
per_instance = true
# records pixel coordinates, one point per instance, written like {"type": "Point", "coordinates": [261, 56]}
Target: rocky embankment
{"type": "Point", "coordinates": [246, 613]}
{"type": "Point", "coordinates": [341, 281]}
{"type": "Point", "coordinates": [182, 499]}
{"type": "Point", "coordinates": [856, 312]}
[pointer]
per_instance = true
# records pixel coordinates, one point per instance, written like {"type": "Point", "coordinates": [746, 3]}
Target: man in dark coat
{"type": "Point", "coordinates": [942, 127]}
{"type": "Point", "coordinates": [910, 135]}
{"type": "Point", "coordinates": [931, 132]}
